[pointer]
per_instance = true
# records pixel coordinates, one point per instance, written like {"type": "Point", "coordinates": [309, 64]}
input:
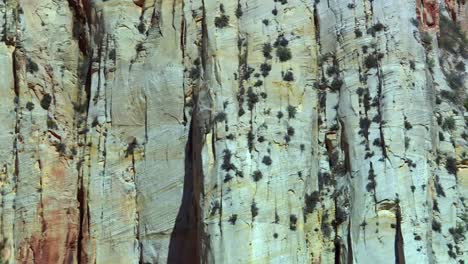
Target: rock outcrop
{"type": "Point", "coordinates": [203, 131]}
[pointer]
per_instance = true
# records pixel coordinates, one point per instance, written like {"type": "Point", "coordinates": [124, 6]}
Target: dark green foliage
{"type": "Point", "coordinates": [291, 131]}
{"type": "Point", "coordinates": [336, 84]}
{"type": "Point", "coordinates": [455, 80]}
{"type": "Point", "coordinates": [378, 27]}
{"type": "Point", "coordinates": [436, 226]}
{"type": "Point", "coordinates": [452, 38]}
{"type": "Point", "coordinates": [371, 61]}
{"type": "Point", "coordinates": [292, 222]}
{"type": "Point", "coordinates": [265, 22]}
{"type": "Point", "coordinates": [233, 219]}
{"type": "Point", "coordinates": [131, 148]}
{"type": "Point", "coordinates": [332, 70]}
{"type": "Point", "coordinates": [227, 165]}
{"type": "Point", "coordinates": [311, 201]}
{"type": "Point", "coordinates": [250, 139]}
{"type": "Point", "coordinates": [29, 106]}
{"type": "Point", "coordinates": [283, 53]}
{"type": "Point", "coordinates": [112, 54]}
{"type": "Point", "coordinates": [258, 83]}
{"type": "Point", "coordinates": [253, 209]}
{"type": "Point", "coordinates": [267, 50]}
{"type": "Point", "coordinates": [220, 117]}
{"type": "Point", "coordinates": [426, 38]}
{"type": "Point", "coordinates": [371, 177]}
{"type": "Point", "coordinates": [458, 233]}
{"type": "Point", "coordinates": [31, 66]}
{"type": "Point", "coordinates": [194, 73]}
{"type": "Point", "coordinates": [61, 148]}
{"type": "Point", "coordinates": [358, 33]}
{"type": "Point", "coordinates": [239, 11]}
{"type": "Point", "coordinates": [257, 175]}
{"type": "Point", "coordinates": [279, 115]}
{"type": "Point", "coordinates": [274, 11]}
{"type": "Point", "coordinates": [252, 98]}
{"type": "Point", "coordinates": [449, 95]}
{"type": "Point", "coordinates": [364, 124]}
{"type": "Point", "coordinates": [376, 142]}
{"type": "Point", "coordinates": [51, 124]}
{"type": "Point", "coordinates": [414, 21]}
{"type": "Point", "coordinates": [451, 165]}
{"type": "Point", "coordinates": [439, 189]}
{"type": "Point", "coordinates": [288, 76]}
{"type": "Point", "coordinates": [227, 178]}
{"type": "Point", "coordinates": [449, 123]}
{"type": "Point", "coordinates": [266, 160]}
{"type": "Point", "coordinates": [292, 110]}
{"type": "Point", "coordinates": [460, 66]}
{"type": "Point", "coordinates": [265, 68]}
{"type": "Point", "coordinates": [45, 101]}
{"type": "Point", "coordinates": [215, 207]}
{"type": "Point", "coordinates": [221, 21]}
{"type": "Point", "coordinates": [408, 125]}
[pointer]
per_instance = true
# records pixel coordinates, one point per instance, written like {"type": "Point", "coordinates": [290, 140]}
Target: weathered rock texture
{"type": "Point", "coordinates": [209, 131]}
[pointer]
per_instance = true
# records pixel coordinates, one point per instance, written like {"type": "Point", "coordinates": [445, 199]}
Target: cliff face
{"type": "Point", "coordinates": [203, 131]}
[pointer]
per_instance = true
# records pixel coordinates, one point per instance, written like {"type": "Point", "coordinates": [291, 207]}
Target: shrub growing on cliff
{"type": "Point", "coordinates": [257, 175]}
{"type": "Point", "coordinates": [233, 219]}
{"type": "Point", "coordinates": [449, 95]}
{"type": "Point", "coordinates": [31, 66]}
{"type": "Point", "coordinates": [288, 76]}
{"type": "Point", "coordinates": [292, 111]}
{"type": "Point", "coordinates": [45, 101]}
{"type": "Point", "coordinates": [293, 222]}
{"type": "Point", "coordinates": [266, 160]}
{"type": "Point", "coordinates": [221, 21]}
{"type": "Point", "coordinates": [436, 226]}
{"type": "Point", "coordinates": [265, 68]}
{"type": "Point", "coordinates": [449, 123]}
{"type": "Point", "coordinates": [253, 209]}
{"type": "Point", "coordinates": [29, 106]}
{"type": "Point", "coordinates": [267, 50]}
{"type": "Point", "coordinates": [371, 61]}
{"type": "Point", "coordinates": [311, 201]}
{"type": "Point", "coordinates": [283, 53]}
{"type": "Point", "coordinates": [451, 165]}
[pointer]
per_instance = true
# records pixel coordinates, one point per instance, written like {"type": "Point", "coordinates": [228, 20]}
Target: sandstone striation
{"type": "Point", "coordinates": [215, 131]}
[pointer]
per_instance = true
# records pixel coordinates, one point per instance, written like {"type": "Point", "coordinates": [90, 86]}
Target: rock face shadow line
{"type": "Point", "coordinates": [184, 241]}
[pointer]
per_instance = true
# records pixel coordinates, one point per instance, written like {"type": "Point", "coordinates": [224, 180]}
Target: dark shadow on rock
{"type": "Point", "coordinates": [184, 243]}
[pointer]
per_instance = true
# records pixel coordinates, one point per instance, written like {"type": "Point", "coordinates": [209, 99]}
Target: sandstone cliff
{"type": "Point", "coordinates": [215, 131]}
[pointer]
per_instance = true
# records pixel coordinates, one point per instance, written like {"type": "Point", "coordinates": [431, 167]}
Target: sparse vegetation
{"type": "Point", "coordinates": [311, 201]}
{"type": "Point", "coordinates": [29, 106]}
{"type": "Point", "coordinates": [253, 209]}
{"type": "Point", "coordinates": [31, 66]}
{"type": "Point", "coordinates": [436, 226]}
{"type": "Point", "coordinates": [292, 110]}
{"type": "Point", "coordinates": [267, 50]}
{"type": "Point", "coordinates": [46, 101]}
{"type": "Point", "coordinates": [265, 68]}
{"type": "Point", "coordinates": [283, 53]}
{"type": "Point", "coordinates": [449, 123]}
{"type": "Point", "coordinates": [451, 165]}
{"type": "Point", "coordinates": [266, 160]}
{"type": "Point", "coordinates": [233, 219]}
{"type": "Point", "coordinates": [257, 175]}
{"type": "Point", "coordinates": [288, 76]}
{"type": "Point", "coordinates": [293, 222]}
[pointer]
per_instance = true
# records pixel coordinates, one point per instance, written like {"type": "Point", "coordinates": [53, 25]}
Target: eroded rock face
{"type": "Point", "coordinates": [233, 131]}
